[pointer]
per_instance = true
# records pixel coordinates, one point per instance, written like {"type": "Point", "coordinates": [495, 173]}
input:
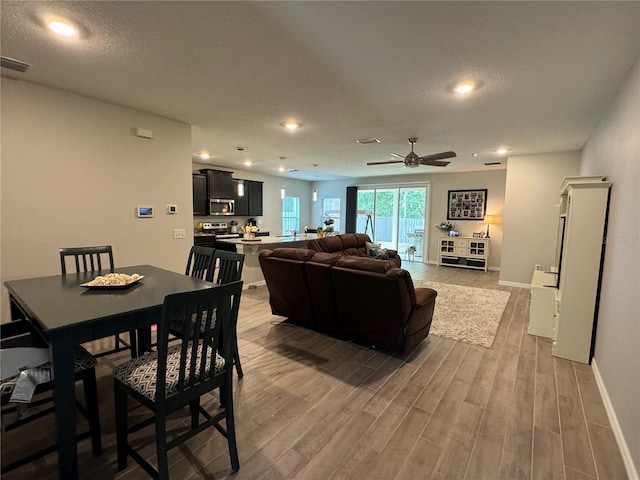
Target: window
{"type": "Point", "coordinates": [290, 214]}
{"type": "Point", "coordinates": [331, 209]}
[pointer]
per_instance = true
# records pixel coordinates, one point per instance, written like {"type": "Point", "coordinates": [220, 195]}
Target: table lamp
{"type": "Point", "coordinates": [488, 219]}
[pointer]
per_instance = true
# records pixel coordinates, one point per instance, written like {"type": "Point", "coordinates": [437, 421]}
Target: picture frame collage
{"type": "Point", "coordinates": [467, 204]}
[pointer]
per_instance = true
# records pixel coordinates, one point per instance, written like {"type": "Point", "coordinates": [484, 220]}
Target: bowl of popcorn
{"type": "Point", "coordinates": [113, 280]}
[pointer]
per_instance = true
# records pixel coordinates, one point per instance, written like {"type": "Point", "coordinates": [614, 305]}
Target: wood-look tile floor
{"type": "Point", "coordinates": [313, 407]}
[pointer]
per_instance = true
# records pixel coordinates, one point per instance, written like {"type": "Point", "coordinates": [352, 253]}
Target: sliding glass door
{"type": "Point", "coordinates": [394, 217]}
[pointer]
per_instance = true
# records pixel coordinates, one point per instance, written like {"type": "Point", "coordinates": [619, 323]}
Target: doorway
{"type": "Point", "coordinates": [395, 217]}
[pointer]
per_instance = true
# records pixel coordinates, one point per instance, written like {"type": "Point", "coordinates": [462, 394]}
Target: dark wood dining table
{"type": "Point", "coordinates": [68, 314]}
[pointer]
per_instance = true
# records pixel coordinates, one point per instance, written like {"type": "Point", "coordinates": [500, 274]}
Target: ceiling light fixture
{"type": "Point", "coordinates": [367, 141]}
{"type": "Point", "coordinates": [281, 169]}
{"type": "Point", "coordinates": [247, 163]}
{"type": "Point", "coordinates": [291, 125]}
{"type": "Point", "coordinates": [474, 154]}
{"type": "Point", "coordinates": [204, 155]}
{"type": "Point", "coordinates": [502, 151]}
{"type": "Point", "coordinates": [241, 188]}
{"type": "Point", "coordinates": [62, 28]}
{"type": "Point", "coordinates": [315, 195]}
{"type": "Point", "coordinates": [464, 87]}
{"type": "Point", "coordinates": [283, 191]}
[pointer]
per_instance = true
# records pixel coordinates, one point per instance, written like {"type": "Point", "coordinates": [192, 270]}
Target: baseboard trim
{"type": "Point", "coordinates": [629, 466]}
{"type": "Point", "coordinates": [513, 284]}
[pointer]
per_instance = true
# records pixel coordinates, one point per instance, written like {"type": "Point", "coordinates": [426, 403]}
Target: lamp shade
{"type": "Point", "coordinates": [489, 219]}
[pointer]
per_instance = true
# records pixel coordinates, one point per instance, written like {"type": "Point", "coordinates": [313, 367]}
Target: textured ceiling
{"type": "Point", "coordinates": [346, 70]}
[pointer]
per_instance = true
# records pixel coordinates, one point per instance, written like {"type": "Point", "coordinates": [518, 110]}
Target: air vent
{"type": "Point", "coordinates": [12, 64]}
{"type": "Point", "coordinates": [493, 163]}
{"type": "Point", "coordinates": [367, 141]}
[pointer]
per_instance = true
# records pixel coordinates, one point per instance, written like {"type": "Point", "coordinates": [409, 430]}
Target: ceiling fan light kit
{"type": "Point", "coordinates": [412, 160]}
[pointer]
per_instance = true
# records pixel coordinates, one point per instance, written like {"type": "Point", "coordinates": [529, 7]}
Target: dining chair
{"type": "Point", "coordinates": [22, 346]}
{"type": "Point", "coordinates": [175, 376]}
{"type": "Point", "coordinates": [89, 259]}
{"type": "Point", "coordinates": [227, 268]}
{"type": "Point", "coordinates": [199, 262]}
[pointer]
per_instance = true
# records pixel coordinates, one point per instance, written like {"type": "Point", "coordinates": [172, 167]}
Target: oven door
{"type": "Point", "coordinates": [221, 206]}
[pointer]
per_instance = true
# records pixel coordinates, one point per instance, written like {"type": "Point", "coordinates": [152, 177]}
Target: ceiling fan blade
{"type": "Point", "coordinates": [397, 156]}
{"type": "Point", "coordinates": [434, 163]}
{"type": "Point", "coordinates": [384, 163]}
{"type": "Point", "coordinates": [439, 156]}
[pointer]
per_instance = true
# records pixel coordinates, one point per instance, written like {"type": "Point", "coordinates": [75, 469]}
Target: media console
{"type": "Point", "coordinates": [465, 252]}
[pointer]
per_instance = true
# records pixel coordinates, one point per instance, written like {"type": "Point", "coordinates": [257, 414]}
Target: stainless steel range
{"type": "Point", "coordinates": [220, 229]}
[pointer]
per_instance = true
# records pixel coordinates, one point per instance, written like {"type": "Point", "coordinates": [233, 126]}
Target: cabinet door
{"type": "Point", "coordinates": [255, 198]}
{"type": "Point", "coordinates": [242, 204]}
{"type": "Point", "coordinates": [200, 197]}
{"type": "Point", "coordinates": [220, 184]}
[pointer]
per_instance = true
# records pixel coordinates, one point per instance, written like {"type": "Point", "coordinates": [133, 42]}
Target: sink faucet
{"type": "Point", "coordinates": [293, 232]}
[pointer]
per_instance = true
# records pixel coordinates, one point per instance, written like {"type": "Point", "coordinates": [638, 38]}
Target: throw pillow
{"type": "Point", "coordinates": [368, 246]}
{"type": "Point", "coordinates": [375, 251]}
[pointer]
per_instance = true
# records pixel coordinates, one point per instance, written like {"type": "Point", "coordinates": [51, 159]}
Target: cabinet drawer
{"type": "Point", "coordinates": [461, 251]}
{"type": "Point", "coordinates": [461, 243]}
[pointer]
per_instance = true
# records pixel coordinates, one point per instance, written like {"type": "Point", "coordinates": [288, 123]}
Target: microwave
{"type": "Point", "coordinates": [221, 206]}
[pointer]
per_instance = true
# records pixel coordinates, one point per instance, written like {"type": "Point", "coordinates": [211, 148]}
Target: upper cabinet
{"type": "Point", "coordinates": [249, 204]}
{"type": "Point", "coordinates": [220, 183]}
{"type": "Point", "coordinates": [200, 195]}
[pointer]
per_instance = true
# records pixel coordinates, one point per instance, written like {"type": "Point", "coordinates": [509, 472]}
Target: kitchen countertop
{"type": "Point", "coordinates": [271, 240]}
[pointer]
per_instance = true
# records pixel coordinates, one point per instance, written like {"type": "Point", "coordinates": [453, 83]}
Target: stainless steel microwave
{"type": "Point", "coordinates": [221, 206]}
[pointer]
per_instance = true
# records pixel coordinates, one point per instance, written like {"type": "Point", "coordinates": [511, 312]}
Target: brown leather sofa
{"type": "Point", "coordinates": [368, 301]}
{"type": "Point", "coordinates": [349, 244]}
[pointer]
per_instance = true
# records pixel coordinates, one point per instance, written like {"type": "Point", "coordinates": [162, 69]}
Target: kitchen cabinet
{"type": "Point", "coordinates": [219, 183]}
{"type": "Point", "coordinates": [200, 195]}
{"type": "Point", "coordinates": [250, 204]}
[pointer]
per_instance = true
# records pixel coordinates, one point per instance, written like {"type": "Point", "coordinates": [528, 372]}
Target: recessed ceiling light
{"type": "Point", "coordinates": [204, 155]}
{"type": "Point", "coordinates": [464, 87]}
{"type": "Point", "coordinates": [502, 151]}
{"type": "Point", "coordinates": [248, 163]}
{"type": "Point", "coordinates": [367, 141]}
{"type": "Point", "coordinates": [291, 125]}
{"type": "Point", "coordinates": [281, 169]}
{"type": "Point", "coordinates": [474, 154]}
{"type": "Point", "coordinates": [62, 28]}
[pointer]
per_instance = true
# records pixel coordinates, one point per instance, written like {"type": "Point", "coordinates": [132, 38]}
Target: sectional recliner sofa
{"type": "Point", "coordinates": [368, 301]}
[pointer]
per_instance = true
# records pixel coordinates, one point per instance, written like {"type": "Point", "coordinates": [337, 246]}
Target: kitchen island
{"type": "Point", "coordinates": [251, 273]}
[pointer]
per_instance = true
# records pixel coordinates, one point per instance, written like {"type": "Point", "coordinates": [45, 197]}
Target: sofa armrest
{"type": "Point", "coordinates": [395, 258]}
{"type": "Point", "coordinates": [425, 296]}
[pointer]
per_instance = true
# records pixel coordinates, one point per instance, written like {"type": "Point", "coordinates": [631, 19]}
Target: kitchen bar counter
{"type": "Point", "coordinates": [251, 273]}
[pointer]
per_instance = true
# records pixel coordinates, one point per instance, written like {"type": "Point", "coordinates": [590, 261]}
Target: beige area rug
{"type": "Point", "coordinates": [466, 314]}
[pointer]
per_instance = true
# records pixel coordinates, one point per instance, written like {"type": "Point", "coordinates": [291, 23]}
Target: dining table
{"type": "Point", "coordinates": [68, 314]}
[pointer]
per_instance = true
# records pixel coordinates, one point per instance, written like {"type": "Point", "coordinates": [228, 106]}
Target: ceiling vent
{"type": "Point", "coordinates": [493, 163]}
{"type": "Point", "coordinates": [12, 64]}
{"type": "Point", "coordinates": [367, 141]}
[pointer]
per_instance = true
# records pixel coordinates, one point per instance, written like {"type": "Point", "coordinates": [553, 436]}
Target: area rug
{"type": "Point", "coordinates": [466, 314]}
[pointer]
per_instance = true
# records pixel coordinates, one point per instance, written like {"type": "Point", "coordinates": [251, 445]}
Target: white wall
{"type": "Point", "coordinates": [441, 183]}
{"type": "Point", "coordinates": [73, 173]}
{"type": "Point", "coordinates": [531, 212]}
{"type": "Point", "coordinates": [613, 150]}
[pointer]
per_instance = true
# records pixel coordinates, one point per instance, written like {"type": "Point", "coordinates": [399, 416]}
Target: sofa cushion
{"type": "Point", "coordinates": [365, 264]}
{"type": "Point", "coordinates": [374, 250]}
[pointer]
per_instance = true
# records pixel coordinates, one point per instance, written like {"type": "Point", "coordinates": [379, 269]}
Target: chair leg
{"type": "Point", "coordinates": [93, 412]}
{"type": "Point", "coordinates": [161, 447]}
{"type": "Point", "coordinates": [231, 428]}
{"type": "Point", "coordinates": [195, 412]}
{"type": "Point", "coordinates": [121, 424]}
{"type": "Point", "coordinates": [236, 360]}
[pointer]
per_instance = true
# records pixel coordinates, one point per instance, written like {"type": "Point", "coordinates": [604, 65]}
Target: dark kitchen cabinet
{"type": "Point", "coordinates": [220, 183]}
{"type": "Point", "coordinates": [200, 195]}
{"type": "Point", "coordinates": [254, 191]}
{"type": "Point", "coordinates": [250, 204]}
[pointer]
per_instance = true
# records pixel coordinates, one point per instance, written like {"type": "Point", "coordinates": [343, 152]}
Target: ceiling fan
{"type": "Point", "coordinates": [413, 160]}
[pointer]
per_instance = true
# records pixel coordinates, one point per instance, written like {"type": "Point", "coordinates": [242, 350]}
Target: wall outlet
{"type": "Point", "coordinates": [537, 266]}
{"type": "Point", "coordinates": [179, 233]}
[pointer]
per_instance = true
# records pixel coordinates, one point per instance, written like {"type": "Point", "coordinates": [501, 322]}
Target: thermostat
{"type": "Point", "coordinates": [145, 212]}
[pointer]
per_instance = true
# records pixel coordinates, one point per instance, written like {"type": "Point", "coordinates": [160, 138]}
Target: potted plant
{"type": "Point", "coordinates": [445, 227]}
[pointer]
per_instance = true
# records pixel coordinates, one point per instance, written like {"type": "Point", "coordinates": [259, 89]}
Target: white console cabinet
{"type": "Point", "coordinates": [543, 304]}
{"type": "Point", "coordinates": [583, 215]}
{"type": "Point", "coordinates": [466, 252]}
